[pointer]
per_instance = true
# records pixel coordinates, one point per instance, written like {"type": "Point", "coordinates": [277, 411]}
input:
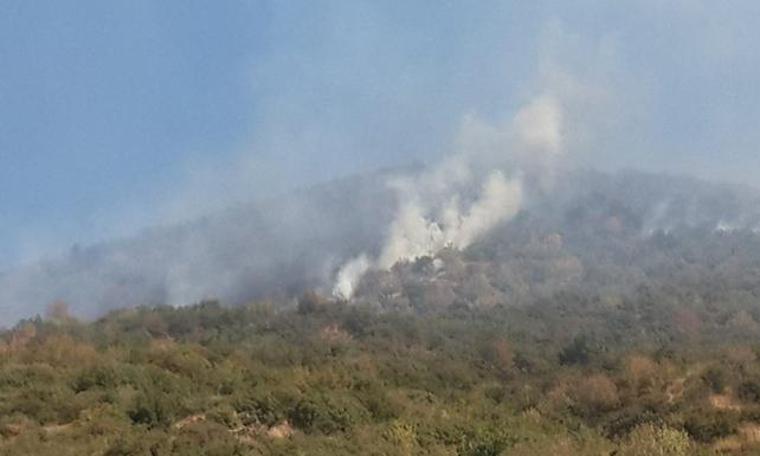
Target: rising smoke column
{"type": "Point", "coordinates": [349, 275]}
{"type": "Point", "coordinates": [495, 163]}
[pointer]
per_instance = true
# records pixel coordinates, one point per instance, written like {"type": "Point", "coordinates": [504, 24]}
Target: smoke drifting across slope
{"type": "Point", "coordinates": [327, 237]}
{"type": "Point", "coordinates": [278, 248]}
{"type": "Point", "coordinates": [470, 192]}
{"type": "Point", "coordinates": [273, 248]}
{"type": "Point", "coordinates": [282, 246]}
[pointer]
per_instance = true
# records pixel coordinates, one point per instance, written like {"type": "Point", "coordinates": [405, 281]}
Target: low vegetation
{"type": "Point", "coordinates": [330, 378]}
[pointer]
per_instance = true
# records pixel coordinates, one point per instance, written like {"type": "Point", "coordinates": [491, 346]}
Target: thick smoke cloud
{"type": "Point", "coordinates": [470, 192]}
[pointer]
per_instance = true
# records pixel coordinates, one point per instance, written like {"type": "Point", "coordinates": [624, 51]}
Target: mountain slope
{"type": "Point", "coordinates": [281, 247]}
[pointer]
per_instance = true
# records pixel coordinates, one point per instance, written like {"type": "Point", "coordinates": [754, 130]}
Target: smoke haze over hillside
{"type": "Point", "coordinates": [435, 210]}
{"type": "Point", "coordinates": [148, 156]}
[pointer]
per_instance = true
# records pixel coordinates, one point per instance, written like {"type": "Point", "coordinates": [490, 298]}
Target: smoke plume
{"type": "Point", "coordinates": [470, 192]}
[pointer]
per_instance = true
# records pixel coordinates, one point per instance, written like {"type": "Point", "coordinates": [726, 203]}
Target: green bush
{"type": "Point", "coordinates": [650, 440]}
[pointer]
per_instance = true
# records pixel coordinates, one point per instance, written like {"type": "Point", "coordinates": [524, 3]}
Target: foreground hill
{"type": "Point", "coordinates": [565, 375]}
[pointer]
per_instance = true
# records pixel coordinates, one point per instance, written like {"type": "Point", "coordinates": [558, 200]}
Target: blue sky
{"type": "Point", "coordinates": [118, 115]}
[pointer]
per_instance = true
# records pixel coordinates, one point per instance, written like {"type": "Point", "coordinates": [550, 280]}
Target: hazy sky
{"type": "Point", "coordinates": [117, 115]}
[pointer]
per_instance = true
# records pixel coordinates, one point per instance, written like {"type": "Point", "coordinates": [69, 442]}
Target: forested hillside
{"type": "Point", "coordinates": [283, 246]}
{"type": "Point", "coordinates": [572, 374]}
{"type": "Point", "coordinates": [328, 228]}
{"type": "Point", "coordinates": [620, 317]}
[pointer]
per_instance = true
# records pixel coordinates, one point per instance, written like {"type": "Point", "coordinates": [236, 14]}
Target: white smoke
{"type": "Point", "coordinates": [499, 200]}
{"type": "Point", "coordinates": [470, 192]}
{"type": "Point", "coordinates": [349, 276]}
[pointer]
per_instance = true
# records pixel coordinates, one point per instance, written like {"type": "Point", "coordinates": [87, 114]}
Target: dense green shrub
{"type": "Point", "coordinates": [333, 379]}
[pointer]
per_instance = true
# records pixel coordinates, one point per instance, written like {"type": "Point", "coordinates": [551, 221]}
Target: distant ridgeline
{"type": "Point", "coordinates": [608, 235]}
